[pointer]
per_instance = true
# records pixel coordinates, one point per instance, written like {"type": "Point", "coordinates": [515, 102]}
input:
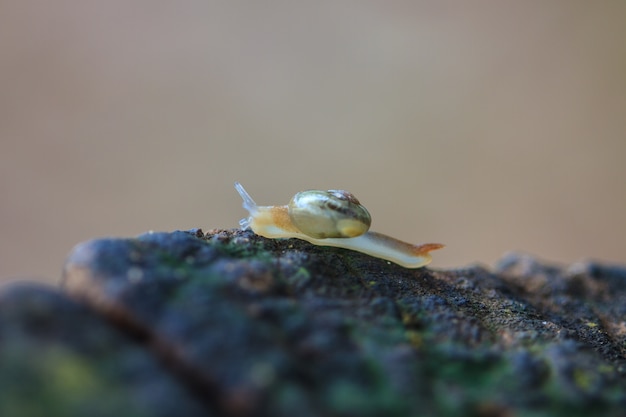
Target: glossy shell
{"type": "Point", "coordinates": [329, 214]}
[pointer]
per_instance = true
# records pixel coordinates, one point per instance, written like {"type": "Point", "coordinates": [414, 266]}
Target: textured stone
{"type": "Point", "coordinates": [59, 358]}
{"type": "Point", "coordinates": [240, 325]}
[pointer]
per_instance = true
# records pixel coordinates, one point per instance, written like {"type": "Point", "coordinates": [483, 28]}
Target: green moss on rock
{"type": "Point", "coordinates": [240, 325]}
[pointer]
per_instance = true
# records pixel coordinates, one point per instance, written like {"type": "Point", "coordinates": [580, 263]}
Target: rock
{"type": "Point", "coordinates": [233, 324]}
{"type": "Point", "coordinates": [59, 358]}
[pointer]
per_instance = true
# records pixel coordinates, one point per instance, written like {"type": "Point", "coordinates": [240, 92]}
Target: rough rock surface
{"type": "Point", "coordinates": [232, 324]}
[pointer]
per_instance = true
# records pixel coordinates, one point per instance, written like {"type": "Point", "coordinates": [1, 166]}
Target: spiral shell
{"type": "Point", "coordinates": [329, 214]}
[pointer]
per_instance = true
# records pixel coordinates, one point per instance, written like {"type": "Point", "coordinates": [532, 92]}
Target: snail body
{"type": "Point", "coordinates": [330, 218]}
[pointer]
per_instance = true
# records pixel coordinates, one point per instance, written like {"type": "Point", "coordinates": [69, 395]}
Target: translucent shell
{"type": "Point", "coordinates": [329, 214]}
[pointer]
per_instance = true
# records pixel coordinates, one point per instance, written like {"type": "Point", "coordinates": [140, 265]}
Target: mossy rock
{"type": "Point", "coordinates": [229, 323]}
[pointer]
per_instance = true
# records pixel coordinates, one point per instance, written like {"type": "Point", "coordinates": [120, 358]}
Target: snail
{"type": "Point", "coordinates": [331, 218]}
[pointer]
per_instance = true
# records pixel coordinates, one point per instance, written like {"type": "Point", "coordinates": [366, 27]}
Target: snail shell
{"type": "Point", "coordinates": [327, 214]}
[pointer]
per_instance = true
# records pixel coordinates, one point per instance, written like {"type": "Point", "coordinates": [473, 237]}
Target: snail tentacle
{"type": "Point", "coordinates": [248, 202]}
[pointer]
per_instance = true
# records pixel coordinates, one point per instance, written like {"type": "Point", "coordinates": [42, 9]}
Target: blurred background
{"type": "Point", "coordinates": [489, 126]}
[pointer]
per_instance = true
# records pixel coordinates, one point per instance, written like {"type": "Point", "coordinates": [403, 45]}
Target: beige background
{"type": "Point", "coordinates": [486, 125]}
